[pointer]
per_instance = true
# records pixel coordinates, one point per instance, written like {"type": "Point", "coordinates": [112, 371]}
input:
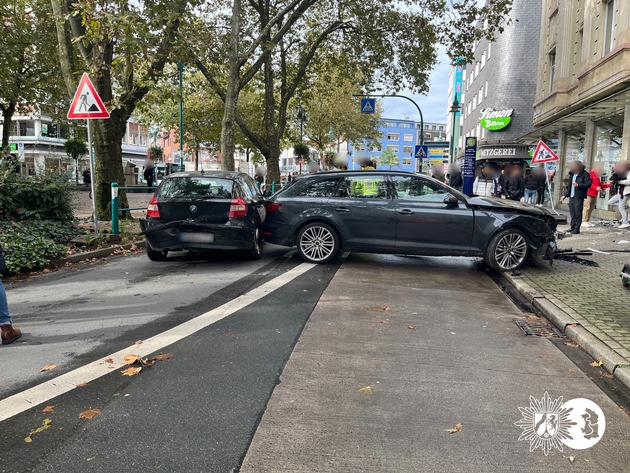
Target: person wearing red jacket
{"type": "Point", "coordinates": [591, 194]}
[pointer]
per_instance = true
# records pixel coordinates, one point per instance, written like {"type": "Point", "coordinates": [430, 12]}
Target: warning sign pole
{"type": "Point", "coordinates": [92, 177]}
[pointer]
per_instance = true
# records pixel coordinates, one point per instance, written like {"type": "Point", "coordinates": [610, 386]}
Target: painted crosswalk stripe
{"type": "Point", "coordinates": [64, 383]}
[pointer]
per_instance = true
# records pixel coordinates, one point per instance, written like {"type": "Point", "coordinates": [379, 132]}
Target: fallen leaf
{"type": "Point", "coordinates": [386, 321]}
{"type": "Point", "coordinates": [47, 368]}
{"type": "Point", "coordinates": [571, 344]}
{"type": "Point", "coordinates": [572, 325]}
{"type": "Point", "coordinates": [90, 459]}
{"type": "Point", "coordinates": [412, 327]}
{"type": "Point", "coordinates": [366, 390]}
{"type": "Point", "coordinates": [544, 355]}
{"type": "Point", "coordinates": [131, 371]}
{"type": "Point", "coordinates": [49, 409]}
{"type": "Point", "coordinates": [597, 363]}
{"type": "Point", "coordinates": [109, 360]}
{"type": "Point", "coordinates": [89, 414]}
{"type": "Point", "coordinates": [81, 385]}
{"type": "Point", "coordinates": [138, 342]}
{"type": "Point", "coordinates": [162, 357]}
{"type": "Point", "coordinates": [379, 309]}
{"type": "Point", "coordinates": [570, 459]}
{"type": "Point", "coordinates": [130, 359]}
{"type": "Point", "coordinates": [45, 424]}
{"type": "Point", "coordinates": [454, 430]}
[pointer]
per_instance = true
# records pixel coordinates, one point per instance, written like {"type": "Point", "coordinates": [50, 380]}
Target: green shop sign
{"type": "Point", "coordinates": [494, 120]}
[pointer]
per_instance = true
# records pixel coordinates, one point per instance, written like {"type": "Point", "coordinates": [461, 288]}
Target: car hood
{"type": "Point", "coordinates": [505, 204]}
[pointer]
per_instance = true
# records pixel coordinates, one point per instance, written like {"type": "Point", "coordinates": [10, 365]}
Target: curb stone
{"type": "Point", "coordinates": [101, 253]}
{"type": "Point", "coordinates": [574, 331]}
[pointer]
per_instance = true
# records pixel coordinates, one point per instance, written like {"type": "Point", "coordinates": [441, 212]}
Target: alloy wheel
{"type": "Point", "coordinates": [317, 243]}
{"type": "Point", "coordinates": [511, 251]}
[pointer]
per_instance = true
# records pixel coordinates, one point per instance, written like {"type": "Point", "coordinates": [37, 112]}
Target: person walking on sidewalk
{"type": "Point", "coordinates": [579, 183]}
{"type": "Point", "coordinates": [621, 188]}
{"type": "Point", "coordinates": [592, 193]}
{"type": "Point", "coordinates": [8, 333]}
{"type": "Point", "coordinates": [532, 184]}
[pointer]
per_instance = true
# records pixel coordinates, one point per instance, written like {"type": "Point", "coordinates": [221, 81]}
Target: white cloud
{"type": "Point", "coordinates": [433, 105]}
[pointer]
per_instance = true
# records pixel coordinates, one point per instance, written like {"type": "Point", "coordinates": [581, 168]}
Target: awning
{"type": "Point", "coordinates": [609, 106]}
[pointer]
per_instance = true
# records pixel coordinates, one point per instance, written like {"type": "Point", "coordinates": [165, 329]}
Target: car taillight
{"type": "Point", "coordinates": [272, 207]}
{"type": "Point", "coordinates": [153, 209]}
{"type": "Point", "coordinates": [238, 208]}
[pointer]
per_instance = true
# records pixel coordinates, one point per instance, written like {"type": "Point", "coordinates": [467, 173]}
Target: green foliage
{"type": "Point", "coordinates": [75, 147]}
{"type": "Point", "coordinates": [389, 158]}
{"type": "Point", "coordinates": [302, 151]}
{"type": "Point", "coordinates": [30, 246]}
{"type": "Point", "coordinates": [35, 198]}
{"type": "Point", "coordinates": [156, 153]}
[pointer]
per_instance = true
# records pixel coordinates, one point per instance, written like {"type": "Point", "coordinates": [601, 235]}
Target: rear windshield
{"type": "Point", "coordinates": [196, 187]}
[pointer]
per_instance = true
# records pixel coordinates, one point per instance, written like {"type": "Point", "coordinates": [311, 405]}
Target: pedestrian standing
{"type": "Point", "coordinates": [531, 185]}
{"type": "Point", "coordinates": [541, 172]}
{"type": "Point", "coordinates": [591, 194]}
{"type": "Point", "coordinates": [455, 178]}
{"type": "Point", "coordinates": [513, 188]}
{"type": "Point", "coordinates": [486, 184]}
{"type": "Point", "coordinates": [579, 183]}
{"type": "Point", "coordinates": [438, 173]}
{"type": "Point", "coordinates": [149, 173]}
{"type": "Point", "coordinates": [621, 188]}
{"type": "Point", "coordinates": [8, 333]}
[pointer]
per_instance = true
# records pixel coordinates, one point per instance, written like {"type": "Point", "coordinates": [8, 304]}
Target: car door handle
{"type": "Point", "coordinates": [405, 212]}
{"type": "Point", "coordinates": [342, 209]}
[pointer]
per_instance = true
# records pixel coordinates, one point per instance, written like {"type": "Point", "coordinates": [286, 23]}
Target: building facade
{"type": "Point", "coordinates": [582, 102]}
{"type": "Point", "coordinates": [500, 86]}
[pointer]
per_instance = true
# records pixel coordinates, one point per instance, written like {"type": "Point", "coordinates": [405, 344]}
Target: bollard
{"type": "Point", "coordinates": [115, 226]}
{"type": "Point", "coordinates": [273, 187]}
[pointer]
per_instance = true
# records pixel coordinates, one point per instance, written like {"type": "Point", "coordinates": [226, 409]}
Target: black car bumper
{"type": "Point", "coordinates": [184, 235]}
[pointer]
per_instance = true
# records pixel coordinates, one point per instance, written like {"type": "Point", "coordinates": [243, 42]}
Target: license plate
{"type": "Point", "coordinates": [192, 237]}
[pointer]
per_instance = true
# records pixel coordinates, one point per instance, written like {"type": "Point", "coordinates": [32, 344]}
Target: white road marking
{"type": "Point", "coordinates": [48, 390]}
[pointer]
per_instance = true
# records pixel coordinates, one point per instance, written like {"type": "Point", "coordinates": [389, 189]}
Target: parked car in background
{"type": "Point", "coordinates": [200, 211]}
{"type": "Point", "coordinates": [403, 213]}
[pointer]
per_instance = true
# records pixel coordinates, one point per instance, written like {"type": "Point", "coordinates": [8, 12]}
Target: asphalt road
{"type": "Point", "coordinates": [231, 325]}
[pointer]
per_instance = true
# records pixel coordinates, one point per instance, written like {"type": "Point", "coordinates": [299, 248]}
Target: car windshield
{"type": "Point", "coordinates": [196, 187]}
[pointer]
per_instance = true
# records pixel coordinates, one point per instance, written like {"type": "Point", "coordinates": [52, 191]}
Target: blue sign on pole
{"type": "Point", "coordinates": [470, 162]}
{"type": "Point", "coordinates": [422, 152]}
{"type": "Point", "coordinates": [368, 105]}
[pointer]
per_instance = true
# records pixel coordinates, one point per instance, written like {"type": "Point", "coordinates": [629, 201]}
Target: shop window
{"type": "Point", "coordinates": [608, 140]}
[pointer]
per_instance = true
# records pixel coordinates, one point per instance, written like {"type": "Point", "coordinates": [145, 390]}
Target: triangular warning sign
{"type": "Point", "coordinates": [367, 106]}
{"type": "Point", "coordinates": [86, 102]}
{"type": "Point", "coordinates": [543, 154]}
{"type": "Point", "coordinates": [421, 153]}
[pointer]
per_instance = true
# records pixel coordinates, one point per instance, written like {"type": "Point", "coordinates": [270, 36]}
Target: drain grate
{"type": "Point", "coordinates": [537, 327]}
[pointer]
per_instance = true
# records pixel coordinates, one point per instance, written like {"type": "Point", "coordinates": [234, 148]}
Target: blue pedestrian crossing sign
{"type": "Point", "coordinates": [368, 105]}
{"type": "Point", "coordinates": [422, 151]}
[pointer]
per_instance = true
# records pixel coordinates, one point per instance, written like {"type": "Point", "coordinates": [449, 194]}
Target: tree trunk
{"type": "Point", "coordinates": [107, 141]}
{"type": "Point", "coordinates": [231, 93]}
{"type": "Point", "coordinates": [64, 46]}
{"type": "Point", "coordinates": [7, 115]}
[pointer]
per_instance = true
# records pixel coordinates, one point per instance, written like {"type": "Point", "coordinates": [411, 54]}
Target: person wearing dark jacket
{"type": "Point", "coordinates": [579, 184]}
{"type": "Point", "coordinates": [513, 188]}
{"type": "Point", "coordinates": [8, 333]}
{"type": "Point", "coordinates": [455, 179]}
{"type": "Point", "coordinates": [532, 184]}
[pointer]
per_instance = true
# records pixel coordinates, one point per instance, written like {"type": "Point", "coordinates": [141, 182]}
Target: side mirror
{"type": "Point", "coordinates": [450, 200]}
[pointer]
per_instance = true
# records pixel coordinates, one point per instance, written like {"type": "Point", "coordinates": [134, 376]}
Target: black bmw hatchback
{"type": "Point", "coordinates": [404, 213]}
{"type": "Point", "coordinates": [203, 211]}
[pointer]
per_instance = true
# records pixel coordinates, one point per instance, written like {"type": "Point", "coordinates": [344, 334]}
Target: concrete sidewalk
{"type": "Point", "coordinates": [590, 296]}
{"type": "Point", "coordinates": [435, 341]}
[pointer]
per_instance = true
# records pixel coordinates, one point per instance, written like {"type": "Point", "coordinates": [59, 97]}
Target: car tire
{"type": "Point", "coordinates": [318, 243]}
{"type": "Point", "coordinates": [507, 250]}
{"type": "Point", "coordinates": [156, 255]}
{"type": "Point", "coordinates": [257, 246]}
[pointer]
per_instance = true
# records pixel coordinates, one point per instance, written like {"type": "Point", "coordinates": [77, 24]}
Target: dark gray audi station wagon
{"type": "Point", "coordinates": [403, 213]}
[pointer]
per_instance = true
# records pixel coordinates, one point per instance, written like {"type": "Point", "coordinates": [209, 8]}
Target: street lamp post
{"type": "Point", "coordinates": [455, 108]}
{"type": "Point", "coordinates": [302, 117]}
{"type": "Point", "coordinates": [180, 69]}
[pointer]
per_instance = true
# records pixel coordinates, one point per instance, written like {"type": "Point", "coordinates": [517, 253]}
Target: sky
{"type": "Point", "coordinates": [433, 105]}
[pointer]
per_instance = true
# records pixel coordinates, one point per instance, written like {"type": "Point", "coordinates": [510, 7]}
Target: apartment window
{"type": "Point", "coordinates": [405, 125]}
{"type": "Point", "coordinates": [375, 148]}
{"type": "Point", "coordinates": [610, 18]}
{"type": "Point", "coordinates": [426, 127]}
{"type": "Point", "coordinates": [390, 124]}
{"type": "Point", "coordinates": [434, 128]}
{"type": "Point", "coordinates": [408, 137]}
{"type": "Point", "coordinates": [394, 148]}
{"type": "Point", "coordinates": [552, 69]}
{"type": "Point", "coordinates": [407, 150]}
{"type": "Point", "coordinates": [393, 136]}
{"type": "Point", "coordinates": [359, 146]}
{"type": "Point", "coordinates": [441, 127]}
{"type": "Point", "coordinates": [406, 161]}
